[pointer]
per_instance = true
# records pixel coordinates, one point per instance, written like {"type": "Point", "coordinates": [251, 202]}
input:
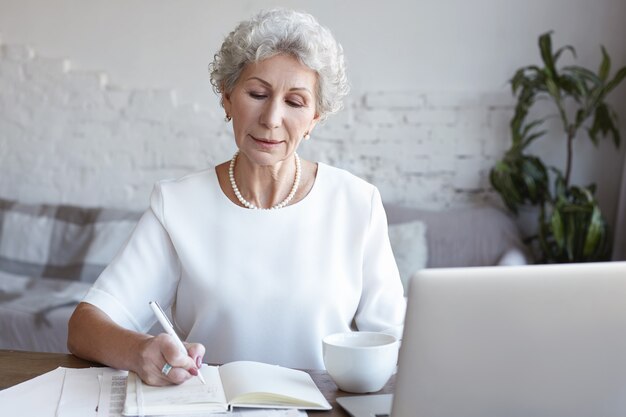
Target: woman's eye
{"type": "Point", "coordinates": [257, 96]}
{"type": "Point", "coordinates": [293, 103]}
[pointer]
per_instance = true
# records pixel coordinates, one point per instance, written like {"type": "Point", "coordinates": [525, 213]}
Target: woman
{"type": "Point", "coordinates": [248, 283]}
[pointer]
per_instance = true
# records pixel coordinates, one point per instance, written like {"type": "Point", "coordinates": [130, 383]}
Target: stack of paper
{"type": "Point", "coordinates": [88, 392]}
{"type": "Point", "coordinates": [64, 392]}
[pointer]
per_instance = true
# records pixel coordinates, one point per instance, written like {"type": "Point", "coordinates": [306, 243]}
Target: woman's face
{"type": "Point", "coordinates": [273, 107]}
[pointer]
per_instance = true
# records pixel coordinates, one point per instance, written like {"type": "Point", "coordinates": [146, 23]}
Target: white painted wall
{"type": "Point", "coordinates": [455, 45]}
{"type": "Point", "coordinates": [450, 59]}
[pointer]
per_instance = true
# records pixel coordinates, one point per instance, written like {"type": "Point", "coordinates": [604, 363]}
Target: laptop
{"type": "Point", "coordinates": [531, 341]}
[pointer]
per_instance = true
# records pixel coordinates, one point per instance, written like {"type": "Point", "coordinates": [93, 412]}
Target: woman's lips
{"type": "Point", "coordinates": [269, 143]}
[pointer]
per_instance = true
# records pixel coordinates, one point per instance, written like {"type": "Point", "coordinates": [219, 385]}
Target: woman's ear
{"type": "Point", "coordinates": [313, 123]}
{"type": "Point", "coordinates": [226, 103]}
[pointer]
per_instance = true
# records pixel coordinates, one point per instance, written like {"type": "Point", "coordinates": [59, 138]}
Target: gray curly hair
{"type": "Point", "coordinates": [283, 31]}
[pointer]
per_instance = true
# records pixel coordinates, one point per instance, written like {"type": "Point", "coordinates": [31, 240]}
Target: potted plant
{"type": "Point", "coordinates": [571, 227]}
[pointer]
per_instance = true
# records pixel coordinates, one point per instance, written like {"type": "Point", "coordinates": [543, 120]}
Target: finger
{"type": "Point", "coordinates": [177, 359]}
{"type": "Point", "coordinates": [180, 360]}
{"type": "Point", "coordinates": [178, 376]}
{"type": "Point", "coordinates": [174, 376]}
{"type": "Point", "coordinates": [172, 354]}
{"type": "Point", "coordinates": [196, 352]}
{"type": "Point", "coordinates": [152, 360]}
{"type": "Point", "coordinates": [158, 375]}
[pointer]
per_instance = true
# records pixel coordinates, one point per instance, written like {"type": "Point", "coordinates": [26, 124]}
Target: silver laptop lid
{"type": "Point", "coordinates": [541, 340]}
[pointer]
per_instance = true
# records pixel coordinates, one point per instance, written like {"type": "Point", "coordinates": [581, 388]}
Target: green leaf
{"type": "Point", "coordinates": [570, 238]}
{"type": "Point", "coordinates": [535, 177]}
{"type": "Point", "coordinates": [556, 223]}
{"type": "Point", "coordinates": [595, 234]}
{"type": "Point", "coordinates": [525, 77]}
{"type": "Point", "coordinates": [517, 80]}
{"type": "Point", "coordinates": [603, 123]}
{"type": "Point", "coordinates": [574, 86]}
{"type": "Point", "coordinates": [586, 194]}
{"type": "Point", "coordinates": [532, 188]}
{"type": "Point", "coordinates": [531, 125]}
{"type": "Point", "coordinates": [591, 188]}
{"type": "Point", "coordinates": [605, 66]}
{"type": "Point", "coordinates": [500, 178]}
{"type": "Point", "coordinates": [558, 53]}
{"type": "Point", "coordinates": [553, 89]}
{"type": "Point", "coordinates": [533, 137]}
{"type": "Point", "coordinates": [583, 74]}
{"type": "Point", "coordinates": [581, 115]}
{"type": "Point", "coordinates": [613, 127]}
{"type": "Point", "coordinates": [619, 76]}
{"type": "Point", "coordinates": [545, 47]}
{"type": "Point", "coordinates": [595, 97]}
{"type": "Point", "coordinates": [559, 184]}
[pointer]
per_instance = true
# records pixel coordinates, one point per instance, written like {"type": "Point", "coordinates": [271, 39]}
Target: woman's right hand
{"type": "Point", "coordinates": [156, 351]}
{"type": "Point", "coordinates": [95, 337]}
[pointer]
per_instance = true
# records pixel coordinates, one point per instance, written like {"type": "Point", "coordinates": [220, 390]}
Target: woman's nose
{"type": "Point", "coordinates": [271, 116]}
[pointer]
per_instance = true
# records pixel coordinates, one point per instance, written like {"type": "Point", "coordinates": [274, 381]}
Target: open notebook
{"type": "Point", "coordinates": [236, 384]}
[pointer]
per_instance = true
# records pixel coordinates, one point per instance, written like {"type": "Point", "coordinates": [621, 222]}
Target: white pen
{"type": "Point", "coordinates": [169, 329]}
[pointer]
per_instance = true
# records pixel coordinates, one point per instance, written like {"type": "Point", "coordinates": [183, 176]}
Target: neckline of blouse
{"type": "Point", "coordinates": [302, 203]}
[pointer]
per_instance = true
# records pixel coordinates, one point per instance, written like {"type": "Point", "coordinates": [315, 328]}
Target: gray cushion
{"type": "Point", "coordinates": [472, 236]}
{"type": "Point", "coordinates": [60, 241]}
{"type": "Point", "coordinates": [408, 242]}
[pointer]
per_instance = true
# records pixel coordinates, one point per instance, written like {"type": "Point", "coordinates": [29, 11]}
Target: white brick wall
{"type": "Point", "coordinates": [69, 136]}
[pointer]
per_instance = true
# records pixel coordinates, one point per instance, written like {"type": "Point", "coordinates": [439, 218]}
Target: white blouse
{"type": "Point", "coordinates": [263, 285]}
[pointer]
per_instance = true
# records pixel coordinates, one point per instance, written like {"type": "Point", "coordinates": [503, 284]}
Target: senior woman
{"type": "Point", "coordinates": [262, 256]}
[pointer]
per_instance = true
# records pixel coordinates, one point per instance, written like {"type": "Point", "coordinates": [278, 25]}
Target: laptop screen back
{"type": "Point", "coordinates": [541, 340]}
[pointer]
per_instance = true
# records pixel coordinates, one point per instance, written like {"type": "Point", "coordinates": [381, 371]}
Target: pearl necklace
{"type": "Point", "coordinates": [246, 203]}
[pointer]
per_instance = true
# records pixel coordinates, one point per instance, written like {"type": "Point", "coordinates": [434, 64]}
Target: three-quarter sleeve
{"type": "Point", "coordinates": [146, 268]}
{"type": "Point", "coordinates": [382, 306]}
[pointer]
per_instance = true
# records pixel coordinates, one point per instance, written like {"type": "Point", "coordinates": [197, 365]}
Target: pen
{"type": "Point", "coordinates": [169, 329]}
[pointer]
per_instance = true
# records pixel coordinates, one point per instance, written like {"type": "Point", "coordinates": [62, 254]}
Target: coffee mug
{"type": "Point", "coordinates": [360, 362]}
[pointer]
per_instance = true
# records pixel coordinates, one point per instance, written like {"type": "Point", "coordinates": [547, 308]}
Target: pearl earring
{"type": "Point", "coordinates": [307, 136]}
{"type": "Point", "coordinates": [227, 118]}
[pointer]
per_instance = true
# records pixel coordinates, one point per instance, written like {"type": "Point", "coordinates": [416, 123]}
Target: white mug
{"type": "Point", "coordinates": [360, 362]}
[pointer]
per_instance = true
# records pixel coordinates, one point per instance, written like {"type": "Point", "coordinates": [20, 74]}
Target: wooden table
{"type": "Point", "coordinates": [18, 366]}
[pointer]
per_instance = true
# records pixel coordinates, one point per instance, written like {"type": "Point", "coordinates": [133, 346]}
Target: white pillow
{"type": "Point", "coordinates": [512, 257]}
{"type": "Point", "coordinates": [408, 241]}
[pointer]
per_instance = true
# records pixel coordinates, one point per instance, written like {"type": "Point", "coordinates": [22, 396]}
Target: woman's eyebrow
{"type": "Point", "coordinates": [261, 80]}
{"type": "Point", "coordinates": [267, 84]}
